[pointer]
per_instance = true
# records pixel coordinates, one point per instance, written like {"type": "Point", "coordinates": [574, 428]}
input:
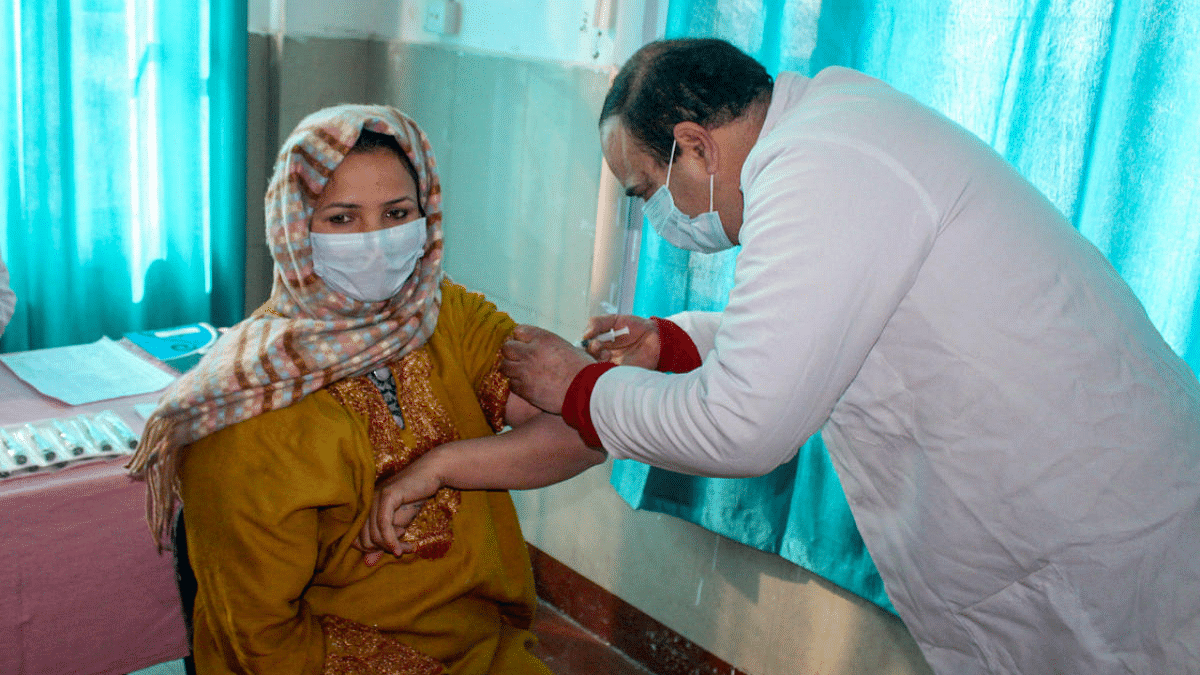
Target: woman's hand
{"type": "Point", "coordinates": [374, 551]}
{"type": "Point", "coordinates": [397, 501]}
{"type": "Point", "coordinates": [640, 347]}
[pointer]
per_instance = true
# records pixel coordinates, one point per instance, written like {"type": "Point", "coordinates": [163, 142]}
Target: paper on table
{"type": "Point", "coordinates": [82, 374]}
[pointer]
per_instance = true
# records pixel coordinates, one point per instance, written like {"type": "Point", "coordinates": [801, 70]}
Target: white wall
{"type": "Point", "coordinates": [593, 32]}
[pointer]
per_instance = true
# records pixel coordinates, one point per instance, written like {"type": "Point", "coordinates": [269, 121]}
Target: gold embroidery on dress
{"type": "Point", "coordinates": [493, 395]}
{"type": "Point", "coordinates": [427, 419]}
{"type": "Point", "coordinates": [423, 412]}
{"type": "Point", "coordinates": [355, 649]}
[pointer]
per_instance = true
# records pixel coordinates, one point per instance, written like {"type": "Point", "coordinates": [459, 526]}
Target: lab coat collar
{"type": "Point", "coordinates": [789, 88]}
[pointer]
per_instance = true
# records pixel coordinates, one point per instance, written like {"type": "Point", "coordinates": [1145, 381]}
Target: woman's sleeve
{"type": "Point", "coordinates": [251, 495]}
{"type": "Point", "coordinates": [478, 330]}
{"type": "Point", "coordinates": [833, 239]}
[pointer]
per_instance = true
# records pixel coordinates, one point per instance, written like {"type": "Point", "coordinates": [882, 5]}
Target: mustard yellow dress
{"type": "Point", "coordinates": [273, 504]}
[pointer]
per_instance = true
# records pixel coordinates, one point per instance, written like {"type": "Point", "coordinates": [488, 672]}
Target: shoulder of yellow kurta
{"type": "Point", "coordinates": [458, 303]}
{"type": "Point", "coordinates": [471, 326]}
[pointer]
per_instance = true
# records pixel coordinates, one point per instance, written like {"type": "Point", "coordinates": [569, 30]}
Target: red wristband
{"type": "Point", "coordinates": [576, 408]}
{"type": "Point", "coordinates": [676, 351]}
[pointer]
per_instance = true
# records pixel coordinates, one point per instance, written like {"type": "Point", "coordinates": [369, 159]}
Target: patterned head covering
{"type": "Point", "coordinates": [307, 335]}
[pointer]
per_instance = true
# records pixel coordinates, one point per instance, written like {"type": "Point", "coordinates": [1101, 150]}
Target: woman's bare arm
{"type": "Point", "coordinates": [540, 450]}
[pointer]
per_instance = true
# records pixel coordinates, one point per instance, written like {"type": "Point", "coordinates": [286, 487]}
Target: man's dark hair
{"type": "Point", "coordinates": [706, 81]}
{"type": "Point", "coordinates": [373, 140]}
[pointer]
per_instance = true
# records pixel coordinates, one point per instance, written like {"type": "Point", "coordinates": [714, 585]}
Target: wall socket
{"type": "Point", "coordinates": [443, 16]}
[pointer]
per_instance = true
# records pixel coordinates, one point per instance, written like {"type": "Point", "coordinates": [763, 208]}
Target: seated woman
{"type": "Point", "coordinates": [363, 359]}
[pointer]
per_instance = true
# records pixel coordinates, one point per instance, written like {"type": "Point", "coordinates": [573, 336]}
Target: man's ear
{"type": "Point", "coordinates": [691, 137]}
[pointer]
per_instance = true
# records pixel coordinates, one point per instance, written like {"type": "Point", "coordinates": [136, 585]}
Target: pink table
{"type": "Point", "coordinates": [83, 590]}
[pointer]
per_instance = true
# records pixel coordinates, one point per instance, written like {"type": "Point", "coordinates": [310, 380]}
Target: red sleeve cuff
{"type": "Point", "coordinates": [576, 409]}
{"type": "Point", "coordinates": [676, 351]}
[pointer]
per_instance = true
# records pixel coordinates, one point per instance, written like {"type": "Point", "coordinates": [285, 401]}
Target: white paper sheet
{"type": "Point", "coordinates": [82, 374]}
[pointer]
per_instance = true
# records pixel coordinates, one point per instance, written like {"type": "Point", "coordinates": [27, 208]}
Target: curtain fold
{"type": "Point", "coordinates": [124, 150]}
{"type": "Point", "coordinates": [1096, 102]}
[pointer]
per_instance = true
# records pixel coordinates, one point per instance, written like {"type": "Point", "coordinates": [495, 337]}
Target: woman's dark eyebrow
{"type": "Point", "coordinates": [348, 205]}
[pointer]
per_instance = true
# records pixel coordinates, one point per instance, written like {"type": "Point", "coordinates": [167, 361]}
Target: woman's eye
{"type": "Point", "coordinates": [339, 219]}
{"type": "Point", "coordinates": [397, 214]}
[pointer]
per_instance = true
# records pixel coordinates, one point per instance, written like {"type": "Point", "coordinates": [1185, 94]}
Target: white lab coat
{"type": "Point", "coordinates": [1019, 447]}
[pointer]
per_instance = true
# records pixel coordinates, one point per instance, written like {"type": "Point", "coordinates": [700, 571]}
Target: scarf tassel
{"type": "Point", "coordinates": [160, 470]}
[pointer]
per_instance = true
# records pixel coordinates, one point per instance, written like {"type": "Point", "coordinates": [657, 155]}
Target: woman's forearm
{"type": "Point", "coordinates": [540, 452]}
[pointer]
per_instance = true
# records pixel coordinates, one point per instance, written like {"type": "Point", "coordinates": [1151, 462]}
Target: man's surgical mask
{"type": "Point", "coordinates": [369, 266]}
{"type": "Point", "coordinates": [703, 233]}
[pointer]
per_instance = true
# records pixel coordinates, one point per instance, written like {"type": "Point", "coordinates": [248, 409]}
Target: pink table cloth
{"type": "Point", "coordinates": [83, 589]}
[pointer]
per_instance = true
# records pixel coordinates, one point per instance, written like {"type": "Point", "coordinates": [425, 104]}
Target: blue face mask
{"type": "Point", "coordinates": [704, 233]}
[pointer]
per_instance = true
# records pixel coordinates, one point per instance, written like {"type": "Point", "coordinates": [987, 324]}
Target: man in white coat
{"type": "Point", "coordinates": [1019, 446]}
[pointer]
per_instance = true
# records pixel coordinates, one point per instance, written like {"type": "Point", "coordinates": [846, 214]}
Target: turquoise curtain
{"type": "Point", "coordinates": [1096, 102]}
{"type": "Point", "coordinates": [124, 156]}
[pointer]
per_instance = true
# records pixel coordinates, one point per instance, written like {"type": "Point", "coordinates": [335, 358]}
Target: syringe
{"type": "Point", "coordinates": [606, 336]}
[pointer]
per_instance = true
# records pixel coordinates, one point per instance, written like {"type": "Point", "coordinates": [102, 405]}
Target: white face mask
{"type": "Point", "coordinates": [703, 233]}
{"type": "Point", "coordinates": [369, 266]}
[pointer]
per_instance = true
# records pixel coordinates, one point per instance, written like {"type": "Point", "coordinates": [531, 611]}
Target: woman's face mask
{"type": "Point", "coordinates": [704, 233]}
{"type": "Point", "coordinates": [367, 232]}
{"type": "Point", "coordinates": [369, 266]}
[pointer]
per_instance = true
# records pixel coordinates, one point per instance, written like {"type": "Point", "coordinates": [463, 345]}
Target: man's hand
{"type": "Point", "coordinates": [640, 347]}
{"type": "Point", "coordinates": [540, 366]}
